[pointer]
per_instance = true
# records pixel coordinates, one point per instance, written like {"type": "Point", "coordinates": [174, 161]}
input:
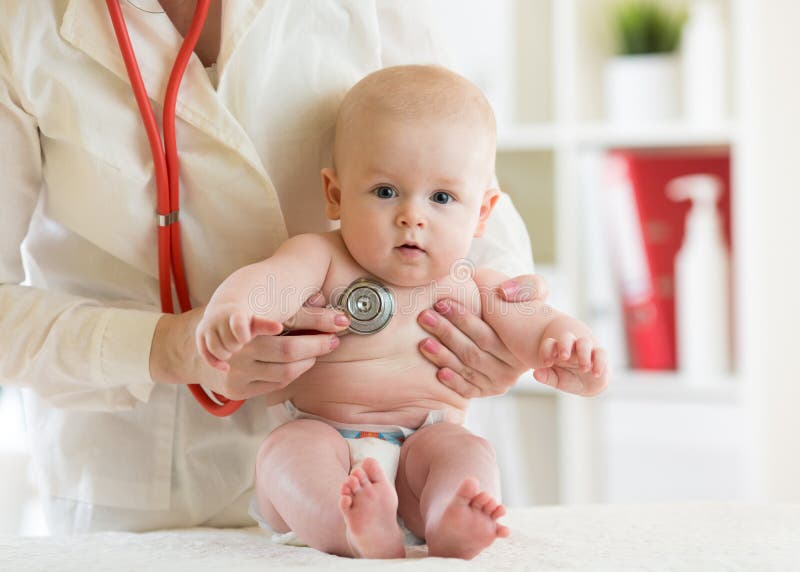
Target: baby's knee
{"type": "Point", "coordinates": [449, 437]}
{"type": "Point", "coordinates": [470, 444]}
{"type": "Point", "coordinates": [298, 433]}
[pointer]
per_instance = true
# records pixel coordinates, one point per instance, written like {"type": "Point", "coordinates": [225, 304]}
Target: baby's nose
{"type": "Point", "coordinates": [410, 214]}
{"type": "Point", "coordinates": [411, 217]}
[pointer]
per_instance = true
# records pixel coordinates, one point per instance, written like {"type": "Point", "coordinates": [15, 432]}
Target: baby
{"type": "Point", "coordinates": [370, 434]}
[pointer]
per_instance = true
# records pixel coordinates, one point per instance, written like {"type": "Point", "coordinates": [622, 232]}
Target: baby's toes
{"type": "Point", "coordinates": [490, 507]}
{"type": "Point", "coordinates": [358, 473]}
{"type": "Point", "coordinates": [353, 484]}
{"type": "Point", "coordinates": [498, 512]}
{"type": "Point", "coordinates": [480, 500]}
{"type": "Point", "coordinates": [360, 476]}
{"type": "Point", "coordinates": [346, 488]}
{"type": "Point", "coordinates": [502, 531]}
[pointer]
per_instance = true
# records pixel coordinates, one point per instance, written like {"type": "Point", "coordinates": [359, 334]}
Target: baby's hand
{"type": "Point", "coordinates": [227, 328]}
{"type": "Point", "coordinates": [572, 364]}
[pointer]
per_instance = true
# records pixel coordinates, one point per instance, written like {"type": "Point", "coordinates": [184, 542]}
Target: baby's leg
{"type": "Point", "coordinates": [448, 488]}
{"type": "Point", "coordinates": [299, 473]}
{"type": "Point", "coordinates": [369, 508]}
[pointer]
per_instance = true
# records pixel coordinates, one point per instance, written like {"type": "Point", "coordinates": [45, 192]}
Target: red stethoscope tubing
{"type": "Point", "coordinates": [165, 160]}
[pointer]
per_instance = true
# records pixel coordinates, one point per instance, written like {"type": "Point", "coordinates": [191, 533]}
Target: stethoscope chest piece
{"type": "Point", "coordinates": [369, 304]}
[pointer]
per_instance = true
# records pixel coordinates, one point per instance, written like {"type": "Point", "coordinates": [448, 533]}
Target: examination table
{"type": "Point", "coordinates": [681, 536]}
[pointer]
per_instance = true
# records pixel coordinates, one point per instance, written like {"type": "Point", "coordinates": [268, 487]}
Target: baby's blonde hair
{"type": "Point", "coordinates": [413, 92]}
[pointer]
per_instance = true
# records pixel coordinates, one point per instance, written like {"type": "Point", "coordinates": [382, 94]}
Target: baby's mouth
{"type": "Point", "coordinates": [409, 248]}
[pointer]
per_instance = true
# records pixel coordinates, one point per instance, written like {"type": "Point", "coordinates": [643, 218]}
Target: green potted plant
{"type": "Point", "coordinates": [642, 80]}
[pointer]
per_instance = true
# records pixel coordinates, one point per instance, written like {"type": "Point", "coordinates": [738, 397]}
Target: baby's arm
{"type": "Point", "coordinates": [560, 348]}
{"type": "Point", "coordinates": [258, 298]}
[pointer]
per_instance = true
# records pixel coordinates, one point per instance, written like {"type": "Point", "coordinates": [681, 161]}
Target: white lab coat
{"type": "Point", "coordinates": [79, 295]}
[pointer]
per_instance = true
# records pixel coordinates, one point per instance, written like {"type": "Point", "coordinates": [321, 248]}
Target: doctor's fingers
{"type": "Point", "coordinates": [461, 330]}
{"type": "Point", "coordinates": [524, 287]}
{"type": "Point", "coordinates": [464, 379]}
{"type": "Point", "coordinates": [287, 349]}
{"type": "Point", "coordinates": [318, 319]}
{"type": "Point", "coordinates": [250, 378]}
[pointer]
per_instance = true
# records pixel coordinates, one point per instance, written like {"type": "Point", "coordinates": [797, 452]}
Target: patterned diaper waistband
{"type": "Point", "coordinates": [394, 437]}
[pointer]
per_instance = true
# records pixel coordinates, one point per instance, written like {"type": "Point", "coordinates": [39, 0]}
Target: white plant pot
{"type": "Point", "coordinates": [643, 88]}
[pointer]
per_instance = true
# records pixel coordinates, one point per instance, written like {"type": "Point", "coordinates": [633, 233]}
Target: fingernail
{"type": "Point", "coordinates": [429, 318]}
{"type": "Point", "coordinates": [442, 306]}
{"type": "Point", "coordinates": [341, 320]}
{"type": "Point", "coordinates": [446, 374]}
{"type": "Point", "coordinates": [334, 342]}
{"type": "Point", "coordinates": [509, 288]}
{"type": "Point", "coordinates": [430, 346]}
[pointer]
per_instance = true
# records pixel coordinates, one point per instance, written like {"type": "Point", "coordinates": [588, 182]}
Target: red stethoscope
{"type": "Point", "coordinates": [368, 303]}
{"type": "Point", "coordinates": [165, 159]}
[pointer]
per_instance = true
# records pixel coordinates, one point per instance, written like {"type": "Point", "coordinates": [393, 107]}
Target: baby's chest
{"type": "Point", "coordinates": [391, 333]}
{"type": "Point", "coordinates": [390, 336]}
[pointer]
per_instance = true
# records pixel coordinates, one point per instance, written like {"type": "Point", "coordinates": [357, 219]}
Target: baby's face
{"type": "Point", "coordinates": [400, 184]}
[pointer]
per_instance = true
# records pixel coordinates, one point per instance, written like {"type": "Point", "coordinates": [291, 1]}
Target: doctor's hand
{"type": "Point", "coordinates": [265, 364]}
{"type": "Point", "coordinates": [472, 360]}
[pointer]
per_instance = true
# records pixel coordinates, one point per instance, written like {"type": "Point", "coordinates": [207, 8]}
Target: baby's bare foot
{"type": "Point", "coordinates": [467, 525]}
{"type": "Point", "coordinates": [369, 508]}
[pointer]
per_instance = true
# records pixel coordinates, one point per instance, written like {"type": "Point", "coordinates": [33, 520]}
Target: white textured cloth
{"type": "Point", "coordinates": [79, 295]}
{"type": "Point", "coordinates": [616, 538]}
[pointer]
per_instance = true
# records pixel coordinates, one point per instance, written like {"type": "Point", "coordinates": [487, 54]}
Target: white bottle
{"type": "Point", "coordinates": [701, 283]}
{"type": "Point", "coordinates": [703, 63]}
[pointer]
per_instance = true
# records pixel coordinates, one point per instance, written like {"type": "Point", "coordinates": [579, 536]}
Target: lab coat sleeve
{"type": "Point", "coordinates": [73, 351]}
{"type": "Point", "coordinates": [409, 34]}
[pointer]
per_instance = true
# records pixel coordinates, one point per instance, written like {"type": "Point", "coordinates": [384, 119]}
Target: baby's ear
{"type": "Point", "coordinates": [490, 198]}
{"type": "Point", "coordinates": [332, 193]}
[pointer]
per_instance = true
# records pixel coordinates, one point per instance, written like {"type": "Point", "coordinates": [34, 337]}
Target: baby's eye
{"type": "Point", "coordinates": [441, 197]}
{"type": "Point", "coordinates": [384, 192]}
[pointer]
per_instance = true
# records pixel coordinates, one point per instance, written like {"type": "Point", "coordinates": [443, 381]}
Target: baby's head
{"type": "Point", "coordinates": [413, 162]}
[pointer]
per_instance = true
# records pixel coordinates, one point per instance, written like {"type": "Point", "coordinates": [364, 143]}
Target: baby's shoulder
{"type": "Point", "coordinates": [311, 244]}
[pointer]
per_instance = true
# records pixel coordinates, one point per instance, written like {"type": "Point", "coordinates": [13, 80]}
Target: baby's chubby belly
{"type": "Point", "coordinates": [375, 379]}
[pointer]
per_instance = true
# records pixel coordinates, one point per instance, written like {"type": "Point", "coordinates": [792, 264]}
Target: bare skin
{"type": "Point", "coordinates": [409, 209]}
{"type": "Point", "coordinates": [446, 491]}
{"type": "Point", "coordinates": [180, 13]}
{"type": "Point", "coordinates": [369, 508]}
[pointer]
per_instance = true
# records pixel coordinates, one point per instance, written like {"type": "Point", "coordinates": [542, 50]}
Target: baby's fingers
{"type": "Point", "coordinates": [600, 362]}
{"type": "Point", "coordinates": [206, 343]}
{"type": "Point", "coordinates": [239, 326]}
{"type": "Point", "coordinates": [229, 343]}
{"type": "Point", "coordinates": [566, 344]}
{"type": "Point", "coordinates": [583, 349]}
{"type": "Point", "coordinates": [548, 351]}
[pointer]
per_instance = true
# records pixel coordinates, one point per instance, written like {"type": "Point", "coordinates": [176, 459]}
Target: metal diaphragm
{"type": "Point", "coordinates": [369, 304]}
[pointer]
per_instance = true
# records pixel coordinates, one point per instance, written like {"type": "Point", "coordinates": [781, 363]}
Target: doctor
{"type": "Point", "coordinates": [117, 442]}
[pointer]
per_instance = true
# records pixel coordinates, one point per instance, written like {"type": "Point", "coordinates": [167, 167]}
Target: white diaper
{"type": "Point", "coordinates": [381, 442]}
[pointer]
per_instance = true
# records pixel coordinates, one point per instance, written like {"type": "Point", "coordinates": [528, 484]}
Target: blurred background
{"type": "Point", "coordinates": [652, 150]}
{"type": "Point", "coordinates": [612, 116]}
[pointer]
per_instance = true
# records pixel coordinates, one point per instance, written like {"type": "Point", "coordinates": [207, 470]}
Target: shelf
{"type": "Point", "coordinates": [664, 135]}
{"type": "Point", "coordinates": [671, 386]}
{"type": "Point", "coordinates": [545, 137]}
{"type": "Point", "coordinates": [530, 137]}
